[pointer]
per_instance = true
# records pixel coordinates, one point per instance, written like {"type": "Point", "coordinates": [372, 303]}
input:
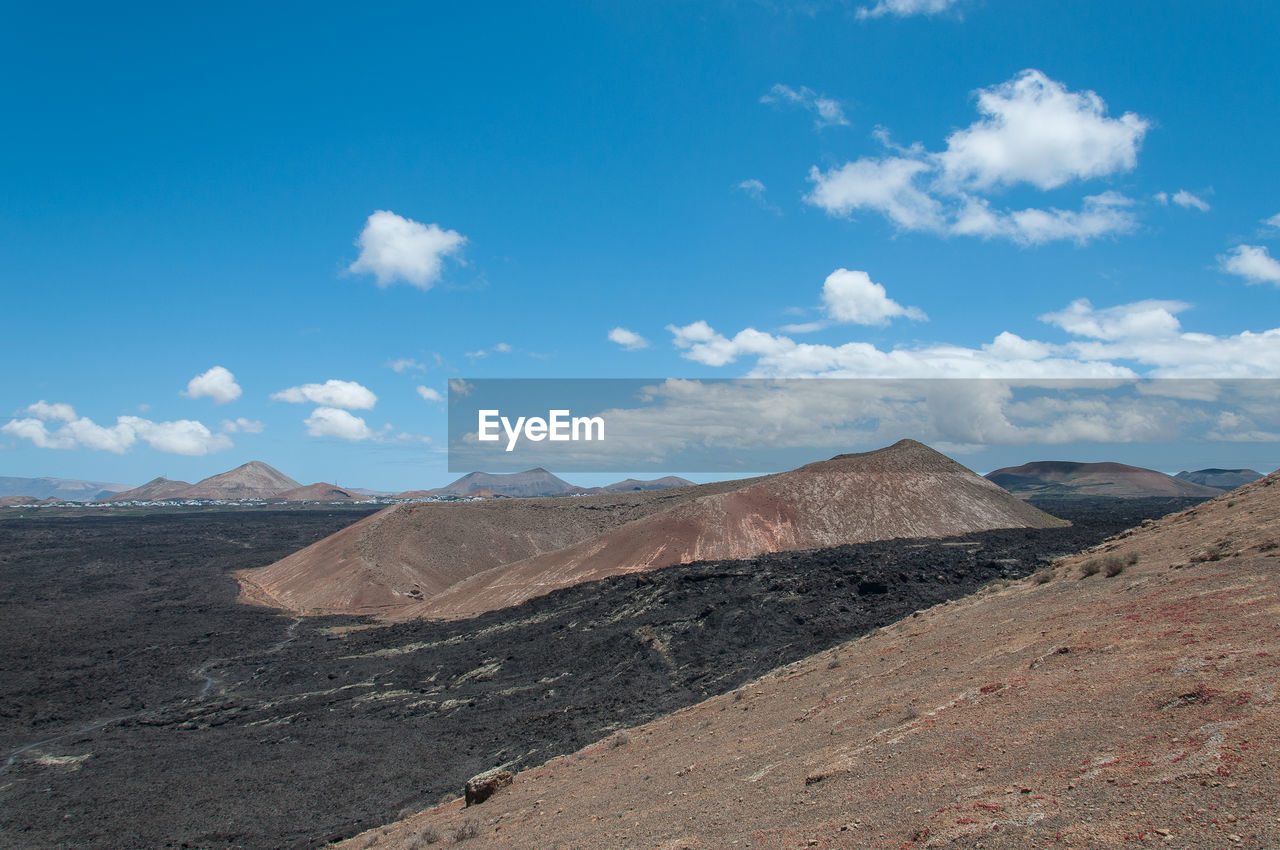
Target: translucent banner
{"type": "Point", "coordinates": [756, 425]}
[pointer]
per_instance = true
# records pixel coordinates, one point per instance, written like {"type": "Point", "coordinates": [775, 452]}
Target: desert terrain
{"type": "Point", "coordinates": [1125, 695]}
{"type": "Point", "coordinates": [130, 667]}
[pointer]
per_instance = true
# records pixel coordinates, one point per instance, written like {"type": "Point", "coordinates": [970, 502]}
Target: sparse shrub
{"type": "Point", "coordinates": [620, 740]}
{"type": "Point", "coordinates": [834, 663]}
{"type": "Point", "coordinates": [1090, 567]}
{"type": "Point", "coordinates": [1131, 559]}
{"type": "Point", "coordinates": [429, 834]}
{"type": "Point", "coordinates": [469, 828]}
{"type": "Point", "coordinates": [1112, 565]}
{"type": "Point", "coordinates": [371, 840]}
{"type": "Point", "coordinates": [1044, 575]}
{"type": "Point", "coordinates": [407, 812]}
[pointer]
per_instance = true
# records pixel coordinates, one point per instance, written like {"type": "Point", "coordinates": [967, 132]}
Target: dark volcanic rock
{"type": "Point", "coordinates": [170, 715]}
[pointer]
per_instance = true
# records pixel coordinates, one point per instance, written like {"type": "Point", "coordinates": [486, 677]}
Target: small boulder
{"type": "Point", "coordinates": [483, 785]}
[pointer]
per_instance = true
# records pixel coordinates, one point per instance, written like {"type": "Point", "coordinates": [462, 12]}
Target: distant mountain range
{"type": "Point", "coordinates": [1058, 478]}
{"type": "Point", "coordinates": [68, 489]}
{"type": "Point", "coordinates": [535, 482]}
{"type": "Point", "coordinates": [253, 480]}
{"type": "Point", "coordinates": [1224, 479]}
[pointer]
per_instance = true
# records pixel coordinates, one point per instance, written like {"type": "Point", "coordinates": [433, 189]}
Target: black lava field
{"type": "Point", "coordinates": [141, 706]}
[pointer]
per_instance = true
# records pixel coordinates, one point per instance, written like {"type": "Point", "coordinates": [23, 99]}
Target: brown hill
{"type": "Point", "coordinates": [253, 480]}
{"type": "Point", "coordinates": [483, 493]}
{"type": "Point", "coordinates": [321, 493]}
{"type": "Point", "coordinates": [1223, 479]}
{"type": "Point", "coordinates": [1058, 478]}
{"type": "Point", "coordinates": [1071, 709]}
{"type": "Point", "coordinates": [153, 491]}
{"type": "Point", "coordinates": [531, 482]}
{"type": "Point", "coordinates": [650, 484]}
{"type": "Point", "coordinates": [454, 560]}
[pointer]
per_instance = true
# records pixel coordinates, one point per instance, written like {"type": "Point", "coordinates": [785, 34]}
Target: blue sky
{"type": "Point", "coordinates": [305, 194]}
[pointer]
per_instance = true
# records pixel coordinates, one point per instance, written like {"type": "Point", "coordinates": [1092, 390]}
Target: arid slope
{"type": "Point", "coordinates": [906, 490]}
{"type": "Point", "coordinates": [1075, 709]}
{"type": "Point", "coordinates": [452, 560]}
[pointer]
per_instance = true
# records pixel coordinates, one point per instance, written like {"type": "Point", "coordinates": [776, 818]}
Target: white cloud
{"type": "Point", "coordinates": [1037, 132]}
{"type": "Point", "coordinates": [1251, 262]}
{"type": "Point", "coordinates": [217, 383]}
{"type": "Point", "coordinates": [906, 8]}
{"type": "Point", "coordinates": [1033, 131]}
{"type": "Point", "coordinates": [58, 411]}
{"type": "Point", "coordinates": [332, 393]}
{"type": "Point", "coordinates": [332, 422]}
{"type": "Point", "coordinates": [241, 425]}
{"type": "Point", "coordinates": [1186, 200]}
{"type": "Point", "coordinates": [829, 112]}
{"type": "Point", "coordinates": [852, 296]}
{"type": "Point", "coordinates": [396, 248]}
{"type": "Point", "coordinates": [630, 340]}
{"type": "Point", "coordinates": [502, 348]}
{"type": "Point", "coordinates": [886, 186]}
{"type": "Point", "coordinates": [183, 436]}
{"type": "Point", "coordinates": [406, 364]}
{"type": "Point", "coordinates": [459, 387]}
{"type": "Point", "coordinates": [1139, 319]}
{"type": "Point", "coordinates": [1099, 215]}
{"type": "Point", "coordinates": [1274, 221]}
{"type": "Point", "coordinates": [755, 190]}
{"type": "Point", "coordinates": [1108, 342]}
{"type": "Point", "coordinates": [428, 394]}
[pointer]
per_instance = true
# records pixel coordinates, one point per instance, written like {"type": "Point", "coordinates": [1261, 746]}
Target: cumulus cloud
{"type": "Point", "coordinates": [1033, 131]}
{"type": "Point", "coordinates": [396, 248]}
{"type": "Point", "coordinates": [630, 340]}
{"type": "Point", "coordinates": [906, 8]}
{"type": "Point", "coordinates": [1251, 262]}
{"type": "Point", "coordinates": [241, 425]}
{"type": "Point", "coordinates": [332, 393]}
{"type": "Point", "coordinates": [1099, 215]}
{"type": "Point", "coordinates": [57, 411]}
{"type": "Point", "coordinates": [1106, 342]}
{"type": "Point", "coordinates": [428, 394]}
{"type": "Point", "coordinates": [887, 186]}
{"type": "Point", "coordinates": [183, 436]}
{"type": "Point", "coordinates": [1143, 319]}
{"type": "Point", "coordinates": [332, 422]}
{"type": "Point", "coordinates": [852, 296]}
{"type": "Point", "coordinates": [1274, 221]}
{"type": "Point", "coordinates": [217, 383]}
{"type": "Point", "coordinates": [827, 111]}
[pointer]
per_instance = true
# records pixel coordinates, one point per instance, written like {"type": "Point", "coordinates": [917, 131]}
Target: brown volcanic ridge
{"type": "Point", "coordinates": [321, 493]}
{"type": "Point", "coordinates": [253, 480]}
{"type": "Point", "coordinates": [1058, 478]}
{"type": "Point", "coordinates": [1069, 709]}
{"type": "Point", "coordinates": [458, 559]}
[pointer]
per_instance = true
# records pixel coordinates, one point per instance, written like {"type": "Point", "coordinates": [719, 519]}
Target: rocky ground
{"type": "Point", "coordinates": [141, 706]}
{"type": "Point", "coordinates": [1128, 696]}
